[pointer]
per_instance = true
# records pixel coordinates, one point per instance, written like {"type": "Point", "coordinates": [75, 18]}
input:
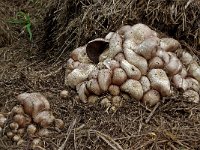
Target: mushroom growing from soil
{"type": "Point", "coordinates": [136, 61]}
{"type": "Point", "coordinates": [26, 119]}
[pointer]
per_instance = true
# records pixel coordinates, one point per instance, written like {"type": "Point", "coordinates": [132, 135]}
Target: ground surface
{"type": "Point", "coordinates": [28, 67]}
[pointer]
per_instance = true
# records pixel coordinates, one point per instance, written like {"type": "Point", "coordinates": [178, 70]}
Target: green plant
{"type": "Point", "coordinates": [24, 20]}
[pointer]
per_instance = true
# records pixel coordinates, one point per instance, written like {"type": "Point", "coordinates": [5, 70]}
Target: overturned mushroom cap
{"type": "Point", "coordinates": [134, 88]}
{"type": "Point", "coordinates": [160, 81]}
{"type": "Point", "coordinates": [79, 75]}
{"type": "Point", "coordinates": [95, 48]}
{"type": "Point", "coordinates": [169, 44]}
{"type": "Point", "coordinates": [191, 96]}
{"type": "Point", "coordinates": [79, 54]}
{"type": "Point", "coordinates": [136, 60]}
{"type": "Point", "coordinates": [151, 98]}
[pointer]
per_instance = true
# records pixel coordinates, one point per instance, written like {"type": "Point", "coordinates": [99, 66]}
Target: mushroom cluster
{"type": "Point", "coordinates": [135, 61]}
{"type": "Point", "coordinates": [31, 118]}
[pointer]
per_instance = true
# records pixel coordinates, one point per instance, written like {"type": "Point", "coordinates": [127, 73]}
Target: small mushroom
{"type": "Point", "coordinates": [193, 84]}
{"type": "Point", "coordinates": [119, 57]}
{"type": "Point", "coordinates": [169, 44]}
{"type": "Point", "coordinates": [20, 120]}
{"type": "Point", "coordinates": [2, 120]}
{"type": "Point", "coordinates": [174, 66]}
{"type": "Point", "coordinates": [134, 88]}
{"type": "Point", "coordinates": [92, 99]}
{"type": "Point", "coordinates": [129, 44]}
{"type": "Point", "coordinates": [191, 96]}
{"type": "Point", "coordinates": [20, 142]}
{"type": "Point", "coordinates": [139, 32]}
{"type": "Point", "coordinates": [119, 76]}
{"type": "Point", "coordinates": [20, 131]}
{"type": "Point", "coordinates": [17, 110]}
{"type": "Point", "coordinates": [105, 102]}
{"type": "Point", "coordinates": [14, 126]}
{"type": "Point", "coordinates": [151, 98]}
{"type": "Point", "coordinates": [83, 92]}
{"type": "Point", "coordinates": [163, 55]}
{"type": "Point", "coordinates": [44, 132]}
{"type": "Point", "coordinates": [131, 71]}
{"type": "Point", "coordinates": [16, 138]}
{"type": "Point", "coordinates": [104, 79]}
{"type": "Point", "coordinates": [115, 47]}
{"type": "Point", "coordinates": [79, 75]}
{"type": "Point", "coordinates": [59, 123]}
{"type": "Point", "coordinates": [180, 82]}
{"type": "Point", "coordinates": [79, 54]}
{"type": "Point", "coordinates": [136, 60]}
{"type": "Point", "coordinates": [183, 72]}
{"type": "Point", "coordinates": [124, 29]}
{"type": "Point", "coordinates": [93, 74]}
{"type": "Point", "coordinates": [10, 134]}
{"type": "Point", "coordinates": [186, 58]}
{"type": "Point", "coordinates": [93, 86]}
{"type": "Point", "coordinates": [156, 63]}
{"type": "Point", "coordinates": [148, 47]}
{"type": "Point", "coordinates": [194, 70]}
{"type": "Point", "coordinates": [44, 118]}
{"type": "Point", "coordinates": [114, 90]}
{"type": "Point", "coordinates": [111, 64]}
{"type": "Point", "coordinates": [64, 94]}
{"type": "Point", "coordinates": [36, 143]}
{"type": "Point", "coordinates": [108, 36]}
{"type": "Point", "coordinates": [117, 101]}
{"type": "Point", "coordinates": [145, 83]}
{"type": "Point", "coordinates": [31, 129]}
{"type": "Point", "coordinates": [159, 81]}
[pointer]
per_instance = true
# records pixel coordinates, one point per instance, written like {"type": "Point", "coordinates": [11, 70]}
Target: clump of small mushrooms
{"type": "Point", "coordinates": [132, 62]}
{"type": "Point", "coordinates": [31, 118]}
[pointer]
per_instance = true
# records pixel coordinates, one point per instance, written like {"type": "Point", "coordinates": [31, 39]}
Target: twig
{"type": "Point", "coordinates": [152, 112]}
{"type": "Point", "coordinates": [110, 141]}
{"type": "Point", "coordinates": [68, 134]}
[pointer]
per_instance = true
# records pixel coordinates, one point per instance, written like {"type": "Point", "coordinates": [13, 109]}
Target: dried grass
{"type": "Point", "coordinates": [175, 124]}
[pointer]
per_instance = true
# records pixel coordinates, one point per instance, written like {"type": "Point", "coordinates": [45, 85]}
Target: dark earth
{"type": "Point", "coordinates": [38, 65]}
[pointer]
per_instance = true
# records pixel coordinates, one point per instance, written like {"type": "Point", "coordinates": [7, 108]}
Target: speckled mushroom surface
{"type": "Point", "coordinates": [136, 62]}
